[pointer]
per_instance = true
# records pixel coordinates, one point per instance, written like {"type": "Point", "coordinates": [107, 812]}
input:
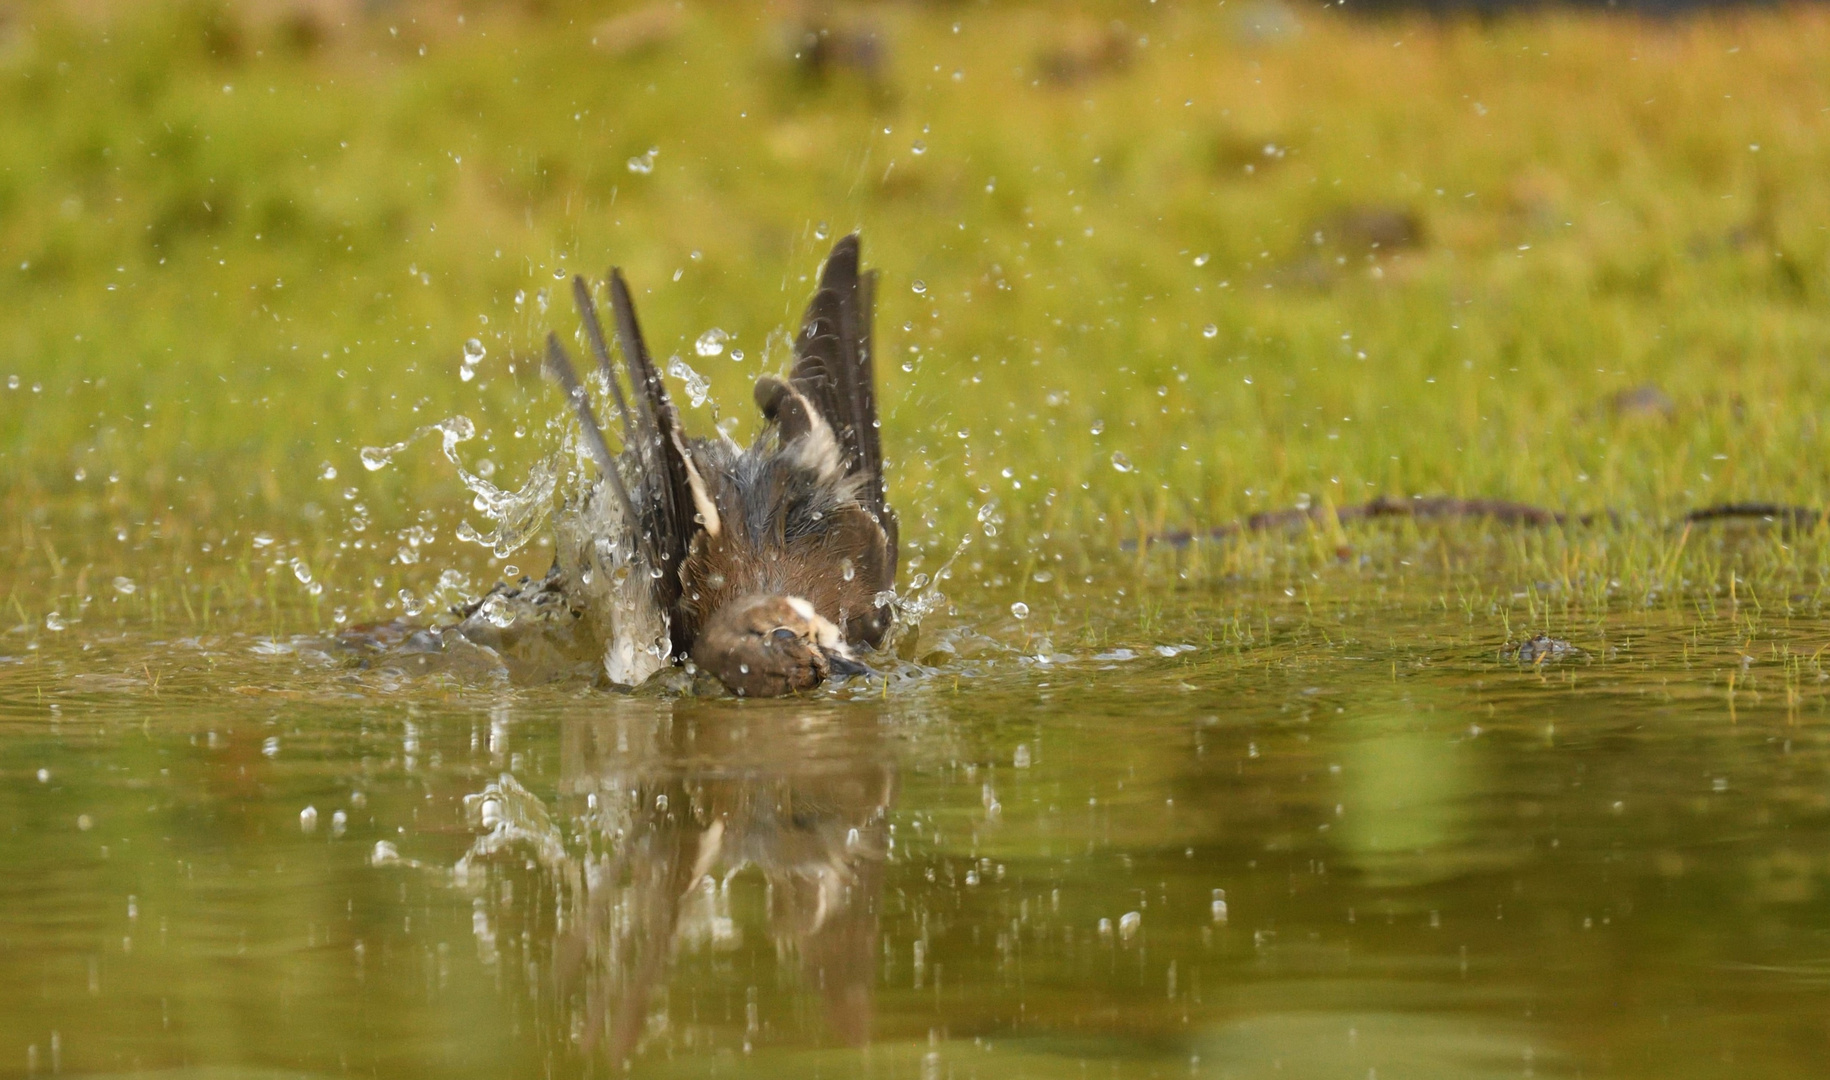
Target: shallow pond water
{"type": "Point", "coordinates": [1358, 841]}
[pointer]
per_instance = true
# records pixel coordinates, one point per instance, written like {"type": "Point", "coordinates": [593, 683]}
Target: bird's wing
{"type": "Point", "coordinates": [668, 504]}
{"type": "Point", "coordinates": [833, 365]}
{"type": "Point", "coordinates": [834, 379]}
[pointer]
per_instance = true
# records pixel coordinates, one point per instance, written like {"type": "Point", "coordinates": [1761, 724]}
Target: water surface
{"type": "Point", "coordinates": [1330, 838]}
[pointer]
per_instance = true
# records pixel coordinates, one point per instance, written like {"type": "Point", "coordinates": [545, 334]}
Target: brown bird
{"type": "Point", "coordinates": [763, 564]}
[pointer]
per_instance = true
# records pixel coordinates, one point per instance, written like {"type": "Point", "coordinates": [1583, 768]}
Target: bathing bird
{"type": "Point", "coordinates": [762, 565]}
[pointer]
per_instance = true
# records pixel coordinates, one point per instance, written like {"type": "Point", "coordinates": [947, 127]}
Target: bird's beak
{"type": "Point", "coordinates": [844, 667]}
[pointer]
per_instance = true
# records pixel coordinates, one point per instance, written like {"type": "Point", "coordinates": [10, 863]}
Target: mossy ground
{"type": "Point", "coordinates": [1251, 256]}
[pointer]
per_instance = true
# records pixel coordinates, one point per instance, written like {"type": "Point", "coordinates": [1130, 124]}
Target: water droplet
{"type": "Point", "coordinates": [1020, 610]}
{"type": "Point", "coordinates": [12, 382]}
{"type": "Point", "coordinates": [1219, 905]}
{"type": "Point", "coordinates": [846, 570]}
{"type": "Point", "coordinates": [1042, 577]}
{"type": "Point", "coordinates": [270, 746]}
{"type": "Point", "coordinates": [822, 231]}
{"type": "Point", "coordinates": [919, 148]}
{"type": "Point", "coordinates": [1201, 259]}
{"type": "Point", "coordinates": [497, 612]}
{"type": "Point", "coordinates": [736, 355]}
{"type": "Point", "coordinates": [339, 821]}
{"type": "Point", "coordinates": [125, 586]}
{"type": "Point", "coordinates": [54, 621]}
{"type": "Point", "coordinates": [1128, 924]}
{"type": "Point", "coordinates": [329, 472]}
{"type": "Point", "coordinates": [1099, 427]}
{"type": "Point", "coordinates": [1021, 758]}
{"type": "Point", "coordinates": [644, 164]}
{"type": "Point", "coordinates": [920, 287]}
{"type": "Point", "coordinates": [711, 343]}
{"type": "Point", "coordinates": [376, 458]}
{"type": "Point", "coordinates": [384, 854]}
{"type": "Point", "coordinates": [698, 388]}
{"type": "Point", "coordinates": [44, 776]}
{"type": "Point", "coordinates": [84, 822]}
{"type": "Point", "coordinates": [520, 297]}
{"type": "Point", "coordinates": [308, 819]}
{"type": "Point", "coordinates": [474, 352]}
{"type": "Point", "coordinates": [1120, 461]}
{"type": "Point", "coordinates": [1210, 331]}
{"type": "Point", "coordinates": [467, 373]}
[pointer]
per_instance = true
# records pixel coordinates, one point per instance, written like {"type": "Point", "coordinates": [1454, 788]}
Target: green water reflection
{"type": "Point", "coordinates": [1300, 859]}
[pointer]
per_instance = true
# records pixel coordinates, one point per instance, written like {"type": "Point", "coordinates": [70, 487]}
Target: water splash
{"type": "Point", "coordinates": [923, 596]}
{"type": "Point", "coordinates": [473, 355]}
{"type": "Point", "coordinates": [698, 387]}
{"type": "Point", "coordinates": [377, 458]}
{"type": "Point", "coordinates": [517, 515]}
{"type": "Point", "coordinates": [711, 343]}
{"type": "Point", "coordinates": [643, 164]}
{"type": "Point", "coordinates": [498, 612]}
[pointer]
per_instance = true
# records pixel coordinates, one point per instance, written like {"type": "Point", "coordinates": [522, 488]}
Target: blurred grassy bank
{"type": "Point", "coordinates": [1145, 266]}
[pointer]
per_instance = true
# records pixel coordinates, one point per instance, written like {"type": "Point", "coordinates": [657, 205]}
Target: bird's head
{"type": "Point", "coordinates": [765, 645]}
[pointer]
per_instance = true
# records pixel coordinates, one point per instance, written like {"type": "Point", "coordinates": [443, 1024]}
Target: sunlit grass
{"type": "Point", "coordinates": [236, 253]}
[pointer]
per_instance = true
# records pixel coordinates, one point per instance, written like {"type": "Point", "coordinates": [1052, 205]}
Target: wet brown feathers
{"type": "Point", "coordinates": [771, 557]}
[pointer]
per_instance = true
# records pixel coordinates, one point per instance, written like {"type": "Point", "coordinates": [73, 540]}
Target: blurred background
{"type": "Point", "coordinates": [1148, 266]}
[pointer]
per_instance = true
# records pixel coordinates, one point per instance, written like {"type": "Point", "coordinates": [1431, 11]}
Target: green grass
{"type": "Point", "coordinates": [236, 253]}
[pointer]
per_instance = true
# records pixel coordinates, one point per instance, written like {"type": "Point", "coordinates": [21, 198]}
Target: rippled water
{"type": "Point", "coordinates": [1331, 839]}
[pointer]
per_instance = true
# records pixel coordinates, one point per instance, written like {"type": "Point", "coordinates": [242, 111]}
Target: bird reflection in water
{"type": "Point", "coordinates": [660, 807]}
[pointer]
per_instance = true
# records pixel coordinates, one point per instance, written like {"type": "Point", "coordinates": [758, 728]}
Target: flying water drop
{"type": "Point", "coordinates": [376, 458]}
{"type": "Point", "coordinates": [697, 386]}
{"type": "Point", "coordinates": [1019, 610]}
{"type": "Point", "coordinates": [644, 164]}
{"type": "Point", "coordinates": [497, 612]}
{"type": "Point", "coordinates": [711, 343]}
{"type": "Point", "coordinates": [1210, 331]}
{"type": "Point", "coordinates": [1121, 462]}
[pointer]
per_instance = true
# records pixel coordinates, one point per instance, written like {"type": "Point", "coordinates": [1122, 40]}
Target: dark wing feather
{"type": "Point", "coordinates": [594, 330]}
{"type": "Point", "coordinates": [834, 368]}
{"type": "Point", "coordinates": [560, 365]}
{"type": "Point", "coordinates": [835, 372]}
{"type": "Point", "coordinates": [669, 512]}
